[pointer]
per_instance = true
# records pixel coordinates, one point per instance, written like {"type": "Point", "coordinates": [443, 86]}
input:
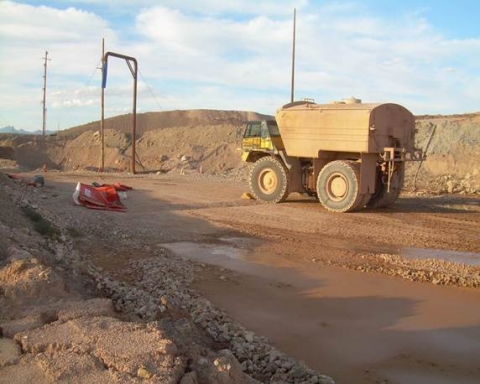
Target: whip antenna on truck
{"type": "Point", "coordinates": [293, 54]}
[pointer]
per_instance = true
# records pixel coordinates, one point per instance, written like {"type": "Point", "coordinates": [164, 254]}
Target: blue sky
{"type": "Point", "coordinates": [235, 55]}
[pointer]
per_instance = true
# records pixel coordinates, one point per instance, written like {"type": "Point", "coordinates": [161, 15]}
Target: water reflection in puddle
{"type": "Point", "coordinates": [236, 253]}
{"type": "Point", "coordinates": [260, 264]}
{"type": "Point", "coordinates": [469, 258]}
{"type": "Point", "coordinates": [206, 252]}
{"type": "Point", "coordinates": [231, 252]}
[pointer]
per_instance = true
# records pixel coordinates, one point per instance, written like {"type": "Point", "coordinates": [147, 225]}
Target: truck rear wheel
{"type": "Point", "coordinates": [338, 186]}
{"type": "Point", "coordinates": [383, 198]}
{"type": "Point", "coordinates": [269, 180]}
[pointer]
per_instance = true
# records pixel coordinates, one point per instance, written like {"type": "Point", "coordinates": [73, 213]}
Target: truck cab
{"type": "Point", "coordinates": [261, 136]}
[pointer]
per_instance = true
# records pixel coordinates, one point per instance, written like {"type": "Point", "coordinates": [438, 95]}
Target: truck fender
{"type": "Point", "coordinates": [248, 157]}
{"type": "Point", "coordinates": [294, 172]}
{"type": "Point", "coordinates": [288, 161]}
{"type": "Point", "coordinates": [368, 172]}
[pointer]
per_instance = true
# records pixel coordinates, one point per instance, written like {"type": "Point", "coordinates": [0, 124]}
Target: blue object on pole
{"type": "Point", "coordinates": [104, 74]}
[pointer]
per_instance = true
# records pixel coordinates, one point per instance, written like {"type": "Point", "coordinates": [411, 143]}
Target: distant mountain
{"type": "Point", "coordinates": [10, 129]}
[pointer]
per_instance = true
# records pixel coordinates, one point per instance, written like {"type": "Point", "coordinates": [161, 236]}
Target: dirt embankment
{"type": "Point", "coordinates": [206, 141]}
{"type": "Point", "coordinates": [453, 154]}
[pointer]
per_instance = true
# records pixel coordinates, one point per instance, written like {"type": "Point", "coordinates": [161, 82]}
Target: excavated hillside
{"type": "Point", "coordinates": [453, 156]}
{"type": "Point", "coordinates": [206, 141]}
{"type": "Point", "coordinates": [165, 141]}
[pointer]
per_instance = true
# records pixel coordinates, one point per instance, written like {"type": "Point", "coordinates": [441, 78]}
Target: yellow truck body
{"type": "Point", "coordinates": [350, 155]}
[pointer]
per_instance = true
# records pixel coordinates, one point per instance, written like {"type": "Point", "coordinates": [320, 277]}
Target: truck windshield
{"type": "Point", "coordinates": [253, 129]}
{"type": "Point", "coordinates": [273, 128]}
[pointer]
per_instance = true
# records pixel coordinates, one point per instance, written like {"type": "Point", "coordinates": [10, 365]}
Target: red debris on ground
{"type": "Point", "coordinates": [38, 181]}
{"type": "Point", "coordinates": [102, 197]}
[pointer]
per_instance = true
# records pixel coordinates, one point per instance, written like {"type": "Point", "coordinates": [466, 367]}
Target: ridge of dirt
{"type": "Point", "coordinates": [167, 119]}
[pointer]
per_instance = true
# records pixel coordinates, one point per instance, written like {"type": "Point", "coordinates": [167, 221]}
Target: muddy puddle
{"type": "Point", "coordinates": [236, 255]}
{"type": "Point", "coordinates": [354, 327]}
{"type": "Point", "coordinates": [208, 253]}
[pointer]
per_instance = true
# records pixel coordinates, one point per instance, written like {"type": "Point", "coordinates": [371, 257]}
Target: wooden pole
{"type": "Point", "coordinates": [44, 100]}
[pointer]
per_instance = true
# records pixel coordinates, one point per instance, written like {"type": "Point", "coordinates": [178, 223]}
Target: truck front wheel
{"type": "Point", "coordinates": [269, 180]}
{"type": "Point", "coordinates": [338, 186]}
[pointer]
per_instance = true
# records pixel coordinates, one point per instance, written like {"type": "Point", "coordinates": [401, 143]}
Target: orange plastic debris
{"type": "Point", "coordinates": [103, 197]}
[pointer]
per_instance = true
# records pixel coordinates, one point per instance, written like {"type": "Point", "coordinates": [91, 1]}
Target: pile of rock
{"type": "Point", "coordinates": [470, 184]}
{"type": "Point", "coordinates": [163, 285]}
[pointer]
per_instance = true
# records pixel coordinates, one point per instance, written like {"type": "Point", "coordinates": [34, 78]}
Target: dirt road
{"type": "Point", "coordinates": [366, 297]}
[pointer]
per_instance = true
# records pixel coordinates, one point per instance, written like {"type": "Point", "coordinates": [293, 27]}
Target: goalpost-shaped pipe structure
{"type": "Point", "coordinates": [134, 70]}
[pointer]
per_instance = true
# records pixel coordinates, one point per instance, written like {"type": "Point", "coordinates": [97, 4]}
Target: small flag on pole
{"type": "Point", "coordinates": [104, 74]}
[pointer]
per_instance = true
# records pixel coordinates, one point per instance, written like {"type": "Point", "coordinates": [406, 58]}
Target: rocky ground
{"type": "Point", "coordinates": [64, 319]}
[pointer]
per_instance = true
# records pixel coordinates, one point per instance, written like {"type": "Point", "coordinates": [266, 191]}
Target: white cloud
{"type": "Point", "coordinates": [192, 35]}
{"type": "Point", "coordinates": [205, 7]}
{"type": "Point", "coordinates": [214, 50]}
{"type": "Point", "coordinates": [71, 36]}
{"type": "Point", "coordinates": [339, 53]}
{"type": "Point", "coordinates": [74, 103]}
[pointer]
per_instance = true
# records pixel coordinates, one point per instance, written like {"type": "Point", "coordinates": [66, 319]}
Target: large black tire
{"type": "Point", "coordinates": [338, 186]}
{"type": "Point", "coordinates": [383, 198]}
{"type": "Point", "coordinates": [269, 180]}
{"type": "Point", "coordinates": [365, 199]}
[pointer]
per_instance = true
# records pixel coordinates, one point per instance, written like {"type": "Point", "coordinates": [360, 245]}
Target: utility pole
{"type": "Point", "coordinates": [44, 101]}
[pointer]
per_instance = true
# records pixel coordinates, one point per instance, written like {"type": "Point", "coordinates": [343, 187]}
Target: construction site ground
{"type": "Point", "coordinates": [378, 296]}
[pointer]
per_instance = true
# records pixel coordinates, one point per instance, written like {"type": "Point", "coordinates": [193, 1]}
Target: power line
{"type": "Point", "coordinates": [151, 92]}
{"type": "Point", "coordinates": [93, 73]}
{"type": "Point", "coordinates": [84, 86]}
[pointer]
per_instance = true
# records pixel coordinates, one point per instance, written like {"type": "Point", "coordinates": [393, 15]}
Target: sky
{"type": "Point", "coordinates": [234, 55]}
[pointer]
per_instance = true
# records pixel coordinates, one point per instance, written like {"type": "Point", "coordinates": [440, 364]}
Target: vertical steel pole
{"type": "Point", "coordinates": [293, 55]}
{"type": "Point", "coordinates": [102, 121]}
{"type": "Point", "coordinates": [134, 125]}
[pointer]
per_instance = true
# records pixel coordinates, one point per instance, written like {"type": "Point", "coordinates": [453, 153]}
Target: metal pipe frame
{"type": "Point", "coordinates": [134, 71]}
